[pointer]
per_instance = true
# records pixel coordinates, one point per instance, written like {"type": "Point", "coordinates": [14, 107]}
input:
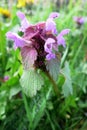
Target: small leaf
{"type": "Point", "coordinates": [67, 86]}
{"type": "Point", "coordinates": [31, 81]}
{"type": "Point", "coordinates": [14, 90]}
{"type": "Point", "coordinates": [53, 66]}
{"type": "Point", "coordinates": [29, 55]}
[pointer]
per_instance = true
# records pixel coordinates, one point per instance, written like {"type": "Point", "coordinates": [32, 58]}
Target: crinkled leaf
{"type": "Point", "coordinates": [29, 55]}
{"type": "Point", "coordinates": [31, 81]}
{"type": "Point", "coordinates": [30, 32]}
{"type": "Point", "coordinates": [53, 66]}
{"type": "Point", "coordinates": [67, 86]}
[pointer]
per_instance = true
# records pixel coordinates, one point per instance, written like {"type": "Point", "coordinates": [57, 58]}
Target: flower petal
{"type": "Point", "coordinates": [18, 41]}
{"type": "Point", "coordinates": [50, 56]}
{"type": "Point", "coordinates": [24, 22]}
{"type": "Point", "coordinates": [54, 15]}
{"type": "Point", "coordinates": [48, 45]}
{"type": "Point", "coordinates": [20, 15]}
{"type": "Point", "coordinates": [51, 26]}
{"type": "Point", "coordinates": [29, 55]}
{"type": "Point", "coordinates": [61, 41]}
{"type": "Point", "coordinates": [64, 32]}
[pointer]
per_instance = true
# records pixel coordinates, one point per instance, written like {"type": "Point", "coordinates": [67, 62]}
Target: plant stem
{"type": "Point", "coordinates": [55, 87]}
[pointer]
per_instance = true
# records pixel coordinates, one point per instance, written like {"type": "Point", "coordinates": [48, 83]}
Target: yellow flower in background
{"type": "Point", "coordinates": [5, 12]}
{"type": "Point", "coordinates": [30, 1]}
{"type": "Point", "coordinates": [22, 3]}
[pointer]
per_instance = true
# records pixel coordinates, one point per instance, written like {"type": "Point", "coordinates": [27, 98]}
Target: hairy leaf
{"type": "Point", "coordinates": [31, 81]}
{"type": "Point", "coordinates": [67, 86]}
{"type": "Point", "coordinates": [53, 66]}
{"type": "Point", "coordinates": [29, 55]}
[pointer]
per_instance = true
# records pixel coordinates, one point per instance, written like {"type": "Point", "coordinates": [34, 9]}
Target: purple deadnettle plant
{"type": "Point", "coordinates": [39, 46]}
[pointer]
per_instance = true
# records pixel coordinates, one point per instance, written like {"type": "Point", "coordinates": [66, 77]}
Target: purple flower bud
{"type": "Point", "coordinates": [49, 47]}
{"type": "Point", "coordinates": [60, 38]}
{"type": "Point", "coordinates": [79, 20]}
{"type": "Point", "coordinates": [51, 26]}
{"type": "Point", "coordinates": [64, 32]}
{"type": "Point", "coordinates": [50, 56]}
{"type": "Point", "coordinates": [49, 44]}
{"type": "Point", "coordinates": [24, 21]}
{"type": "Point", "coordinates": [61, 41]}
{"type": "Point", "coordinates": [6, 78]}
{"type": "Point", "coordinates": [54, 15]}
{"type": "Point", "coordinates": [20, 15]}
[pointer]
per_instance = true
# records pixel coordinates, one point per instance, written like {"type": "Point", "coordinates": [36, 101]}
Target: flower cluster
{"type": "Point", "coordinates": [39, 42]}
{"type": "Point", "coordinates": [79, 20]}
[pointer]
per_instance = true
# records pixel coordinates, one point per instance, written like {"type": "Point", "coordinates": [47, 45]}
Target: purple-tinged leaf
{"type": "Point", "coordinates": [29, 55]}
{"type": "Point", "coordinates": [53, 67]}
{"type": "Point", "coordinates": [30, 32]}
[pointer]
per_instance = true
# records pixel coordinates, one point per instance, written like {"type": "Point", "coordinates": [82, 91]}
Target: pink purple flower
{"type": "Point", "coordinates": [79, 20]}
{"type": "Point", "coordinates": [39, 42]}
{"type": "Point", "coordinates": [6, 78]}
{"type": "Point", "coordinates": [54, 15]}
{"type": "Point", "coordinates": [60, 38]}
{"type": "Point", "coordinates": [24, 21]}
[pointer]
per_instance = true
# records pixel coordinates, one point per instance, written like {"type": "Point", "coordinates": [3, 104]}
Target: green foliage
{"type": "Point", "coordinates": [31, 81]}
{"type": "Point", "coordinates": [53, 67]}
{"type": "Point", "coordinates": [67, 86]}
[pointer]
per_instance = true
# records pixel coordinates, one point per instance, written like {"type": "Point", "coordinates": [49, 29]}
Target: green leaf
{"type": "Point", "coordinates": [31, 81]}
{"type": "Point", "coordinates": [14, 90]}
{"type": "Point", "coordinates": [67, 86]}
{"type": "Point", "coordinates": [3, 103]}
{"type": "Point", "coordinates": [40, 113]}
{"type": "Point", "coordinates": [37, 106]}
{"type": "Point", "coordinates": [53, 66]}
{"type": "Point", "coordinates": [82, 82]}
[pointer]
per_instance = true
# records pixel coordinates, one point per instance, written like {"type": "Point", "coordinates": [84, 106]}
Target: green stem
{"type": "Point", "coordinates": [55, 87]}
{"type": "Point", "coordinates": [64, 56]}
